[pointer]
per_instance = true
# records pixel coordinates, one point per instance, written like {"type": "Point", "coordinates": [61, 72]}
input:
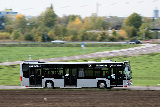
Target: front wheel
{"type": "Point", "coordinates": [101, 85]}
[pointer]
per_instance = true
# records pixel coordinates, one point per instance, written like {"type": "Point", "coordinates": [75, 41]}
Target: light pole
{"type": "Point", "coordinates": [158, 37]}
{"type": "Point", "coordinates": [29, 57]}
{"type": "Point", "coordinates": [144, 33]}
{"type": "Point", "coordinates": [45, 36]}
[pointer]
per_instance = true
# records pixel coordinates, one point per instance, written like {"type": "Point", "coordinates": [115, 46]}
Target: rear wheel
{"type": "Point", "coordinates": [49, 84]}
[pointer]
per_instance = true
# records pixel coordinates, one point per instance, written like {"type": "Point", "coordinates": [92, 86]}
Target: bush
{"type": "Point", "coordinates": [4, 36]}
{"type": "Point", "coordinates": [17, 35]}
{"type": "Point", "coordinates": [28, 37]}
{"type": "Point", "coordinates": [121, 38]}
{"type": "Point", "coordinates": [112, 38]}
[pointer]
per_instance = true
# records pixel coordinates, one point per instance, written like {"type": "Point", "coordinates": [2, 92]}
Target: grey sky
{"type": "Point", "coordinates": [84, 8]}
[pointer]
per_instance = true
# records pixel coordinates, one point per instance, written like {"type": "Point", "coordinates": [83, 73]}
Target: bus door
{"type": "Point", "coordinates": [116, 76]}
{"type": "Point", "coordinates": [35, 77]}
{"type": "Point", "coordinates": [70, 77]}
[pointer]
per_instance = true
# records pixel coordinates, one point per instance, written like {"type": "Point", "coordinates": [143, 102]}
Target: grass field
{"type": "Point", "coordinates": [22, 53]}
{"type": "Point", "coordinates": [146, 70]}
{"type": "Point", "coordinates": [10, 75]}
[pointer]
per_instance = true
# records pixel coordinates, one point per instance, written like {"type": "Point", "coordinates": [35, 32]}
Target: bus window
{"type": "Point", "coordinates": [25, 74]}
{"type": "Point", "coordinates": [81, 72]}
{"type": "Point", "coordinates": [99, 73]}
{"type": "Point", "coordinates": [119, 73]}
{"type": "Point", "coordinates": [25, 71]}
{"type": "Point", "coordinates": [61, 72]}
{"type": "Point", "coordinates": [88, 73]}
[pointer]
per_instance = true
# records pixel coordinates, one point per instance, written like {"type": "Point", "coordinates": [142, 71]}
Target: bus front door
{"type": "Point", "coordinates": [116, 77]}
{"type": "Point", "coordinates": [35, 77]}
{"type": "Point", "coordinates": [70, 77]}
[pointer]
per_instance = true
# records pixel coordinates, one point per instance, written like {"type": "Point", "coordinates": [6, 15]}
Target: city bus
{"type": "Point", "coordinates": [104, 74]}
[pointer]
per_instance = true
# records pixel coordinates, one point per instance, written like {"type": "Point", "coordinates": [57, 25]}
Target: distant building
{"type": "Point", "coordinates": [156, 14]}
{"type": "Point", "coordinates": [2, 23]}
{"type": "Point", "coordinates": [5, 13]}
{"type": "Point", "coordinates": [9, 12]}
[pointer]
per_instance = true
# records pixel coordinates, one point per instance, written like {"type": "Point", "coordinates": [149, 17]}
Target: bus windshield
{"type": "Point", "coordinates": [128, 72]}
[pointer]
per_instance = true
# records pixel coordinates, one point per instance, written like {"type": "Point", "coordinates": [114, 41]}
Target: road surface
{"type": "Point", "coordinates": [123, 88]}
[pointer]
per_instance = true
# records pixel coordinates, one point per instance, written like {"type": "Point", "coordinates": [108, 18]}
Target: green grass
{"type": "Point", "coordinates": [146, 70]}
{"type": "Point", "coordinates": [10, 75]}
{"type": "Point", "coordinates": [22, 53]}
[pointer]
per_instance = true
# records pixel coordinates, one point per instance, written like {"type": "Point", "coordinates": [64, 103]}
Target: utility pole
{"type": "Point", "coordinates": [97, 8]}
{"type": "Point", "coordinates": [144, 33]}
{"type": "Point", "coordinates": [45, 36]}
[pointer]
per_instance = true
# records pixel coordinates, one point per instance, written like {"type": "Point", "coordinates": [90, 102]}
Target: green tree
{"type": "Point", "coordinates": [20, 23]}
{"type": "Point", "coordinates": [33, 23]}
{"type": "Point", "coordinates": [144, 29]}
{"type": "Point", "coordinates": [131, 31]}
{"type": "Point", "coordinates": [60, 31]}
{"type": "Point", "coordinates": [93, 21]}
{"type": "Point", "coordinates": [115, 21]}
{"type": "Point", "coordinates": [51, 6]}
{"type": "Point", "coordinates": [9, 24]}
{"type": "Point", "coordinates": [72, 18]}
{"type": "Point", "coordinates": [99, 23]}
{"type": "Point", "coordinates": [134, 20]}
{"type": "Point", "coordinates": [105, 25]}
{"type": "Point", "coordinates": [49, 18]}
{"type": "Point", "coordinates": [4, 35]}
{"type": "Point", "coordinates": [28, 36]}
{"type": "Point", "coordinates": [102, 37]}
{"type": "Point", "coordinates": [17, 35]}
{"type": "Point", "coordinates": [114, 33]}
{"type": "Point", "coordinates": [75, 27]}
{"type": "Point", "coordinates": [86, 25]}
{"type": "Point", "coordinates": [83, 36]}
{"type": "Point", "coordinates": [38, 33]}
{"type": "Point", "coordinates": [132, 24]}
{"type": "Point", "coordinates": [123, 34]}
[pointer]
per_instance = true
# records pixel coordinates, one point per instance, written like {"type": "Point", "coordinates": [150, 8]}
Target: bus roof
{"type": "Point", "coordinates": [72, 62]}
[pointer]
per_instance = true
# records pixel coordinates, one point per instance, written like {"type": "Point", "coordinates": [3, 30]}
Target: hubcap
{"type": "Point", "coordinates": [49, 85]}
{"type": "Point", "coordinates": [101, 85]}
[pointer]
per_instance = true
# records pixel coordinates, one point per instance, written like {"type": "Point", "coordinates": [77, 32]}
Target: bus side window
{"type": "Point", "coordinates": [46, 74]}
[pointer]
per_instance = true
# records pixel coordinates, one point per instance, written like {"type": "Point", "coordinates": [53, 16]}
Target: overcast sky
{"type": "Point", "coordinates": [122, 8]}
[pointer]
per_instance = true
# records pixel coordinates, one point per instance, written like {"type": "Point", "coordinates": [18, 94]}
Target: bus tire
{"type": "Point", "coordinates": [101, 84]}
{"type": "Point", "coordinates": [49, 84]}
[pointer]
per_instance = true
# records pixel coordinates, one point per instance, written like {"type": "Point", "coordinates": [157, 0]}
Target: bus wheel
{"type": "Point", "coordinates": [49, 84]}
{"type": "Point", "coordinates": [101, 85]}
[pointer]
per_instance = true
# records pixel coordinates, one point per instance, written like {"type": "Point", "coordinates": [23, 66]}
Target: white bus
{"type": "Point", "coordinates": [104, 74]}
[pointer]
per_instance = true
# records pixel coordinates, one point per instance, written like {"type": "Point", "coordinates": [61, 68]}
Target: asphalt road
{"type": "Point", "coordinates": [123, 88]}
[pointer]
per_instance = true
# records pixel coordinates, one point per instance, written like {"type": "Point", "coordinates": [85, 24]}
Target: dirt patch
{"type": "Point", "coordinates": [79, 98]}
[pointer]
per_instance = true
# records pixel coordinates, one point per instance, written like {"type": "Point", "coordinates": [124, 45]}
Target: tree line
{"type": "Point", "coordinates": [48, 26]}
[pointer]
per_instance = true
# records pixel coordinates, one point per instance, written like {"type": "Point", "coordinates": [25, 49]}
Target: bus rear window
{"type": "Point", "coordinates": [25, 74]}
